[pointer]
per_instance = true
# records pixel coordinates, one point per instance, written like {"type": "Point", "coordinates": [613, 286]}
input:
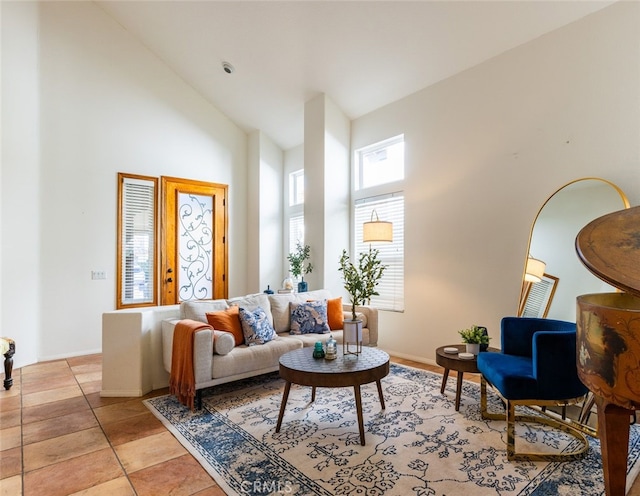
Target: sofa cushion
{"type": "Point", "coordinates": [251, 302]}
{"type": "Point", "coordinates": [316, 294]}
{"type": "Point", "coordinates": [280, 306]}
{"type": "Point", "coordinates": [280, 311]}
{"type": "Point", "coordinates": [227, 320]}
{"type": "Point", "coordinates": [309, 317]}
{"type": "Point", "coordinates": [244, 359]}
{"type": "Point", "coordinates": [360, 316]}
{"type": "Point", "coordinates": [197, 309]}
{"type": "Point", "coordinates": [223, 342]}
{"type": "Point", "coordinates": [308, 340]}
{"type": "Point", "coordinates": [256, 326]}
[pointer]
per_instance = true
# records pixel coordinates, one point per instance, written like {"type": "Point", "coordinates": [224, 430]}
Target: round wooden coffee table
{"type": "Point", "coordinates": [299, 367]}
{"type": "Point", "coordinates": [451, 361]}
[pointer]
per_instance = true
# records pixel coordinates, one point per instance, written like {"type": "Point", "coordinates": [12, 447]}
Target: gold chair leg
{"type": "Point", "coordinates": [486, 414]}
{"type": "Point", "coordinates": [511, 431]}
{"type": "Point", "coordinates": [511, 418]}
{"type": "Point", "coordinates": [577, 454]}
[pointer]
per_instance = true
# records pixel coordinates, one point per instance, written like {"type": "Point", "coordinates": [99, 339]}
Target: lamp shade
{"type": "Point", "coordinates": [535, 270]}
{"type": "Point", "coordinates": [377, 230]}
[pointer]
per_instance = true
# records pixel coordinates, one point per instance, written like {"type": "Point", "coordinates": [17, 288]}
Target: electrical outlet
{"type": "Point", "coordinates": [98, 274]}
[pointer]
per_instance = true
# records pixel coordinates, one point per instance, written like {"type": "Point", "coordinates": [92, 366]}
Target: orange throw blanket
{"type": "Point", "coordinates": [182, 381]}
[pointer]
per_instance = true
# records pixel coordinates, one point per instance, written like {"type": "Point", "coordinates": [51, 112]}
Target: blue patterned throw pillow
{"type": "Point", "coordinates": [256, 326]}
{"type": "Point", "coordinates": [309, 317]}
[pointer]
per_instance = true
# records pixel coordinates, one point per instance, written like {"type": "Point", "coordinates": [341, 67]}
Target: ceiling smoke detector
{"type": "Point", "coordinates": [228, 68]}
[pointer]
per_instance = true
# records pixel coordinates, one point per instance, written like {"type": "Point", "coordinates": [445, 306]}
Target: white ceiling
{"type": "Point", "coordinates": [361, 54]}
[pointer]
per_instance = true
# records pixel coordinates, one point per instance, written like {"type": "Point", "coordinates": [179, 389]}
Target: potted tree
{"type": "Point", "coordinates": [475, 337]}
{"type": "Point", "coordinates": [297, 264]}
{"type": "Point", "coordinates": [360, 282]}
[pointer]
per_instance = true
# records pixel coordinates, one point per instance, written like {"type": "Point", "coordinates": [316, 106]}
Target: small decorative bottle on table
{"type": "Point", "coordinates": [332, 349]}
{"type": "Point", "coordinates": [318, 351]}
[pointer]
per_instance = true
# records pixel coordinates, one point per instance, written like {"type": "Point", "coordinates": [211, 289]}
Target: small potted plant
{"type": "Point", "coordinates": [475, 337]}
{"type": "Point", "coordinates": [360, 282]}
{"type": "Point", "coordinates": [297, 264]}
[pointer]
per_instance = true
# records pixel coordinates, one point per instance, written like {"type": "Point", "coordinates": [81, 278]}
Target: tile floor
{"type": "Point", "coordinates": [59, 437]}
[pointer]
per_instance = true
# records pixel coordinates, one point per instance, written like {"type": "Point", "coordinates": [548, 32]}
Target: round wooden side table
{"type": "Point", "coordinates": [451, 361]}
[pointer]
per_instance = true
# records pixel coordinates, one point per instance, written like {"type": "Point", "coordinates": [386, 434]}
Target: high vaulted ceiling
{"type": "Point", "coordinates": [361, 54]}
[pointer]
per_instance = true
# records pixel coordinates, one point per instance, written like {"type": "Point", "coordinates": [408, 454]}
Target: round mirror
{"type": "Point", "coordinates": [554, 276]}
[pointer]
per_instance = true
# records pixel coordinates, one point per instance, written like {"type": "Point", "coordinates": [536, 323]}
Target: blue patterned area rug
{"type": "Point", "coordinates": [419, 445]}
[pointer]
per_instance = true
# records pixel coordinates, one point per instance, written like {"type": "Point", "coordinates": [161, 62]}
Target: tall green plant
{"type": "Point", "coordinates": [360, 281]}
{"type": "Point", "coordinates": [297, 258]}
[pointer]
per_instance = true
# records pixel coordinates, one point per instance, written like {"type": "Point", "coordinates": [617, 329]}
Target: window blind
{"type": "Point", "coordinates": [389, 208]}
{"type": "Point", "coordinates": [137, 238]}
{"type": "Point", "coordinates": [538, 299]}
{"type": "Point", "coordinates": [296, 231]}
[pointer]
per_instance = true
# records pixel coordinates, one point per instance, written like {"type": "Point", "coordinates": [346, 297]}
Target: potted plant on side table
{"type": "Point", "coordinates": [297, 264]}
{"type": "Point", "coordinates": [360, 282]}
{"type": "Point", "coordinates": [476, 338]}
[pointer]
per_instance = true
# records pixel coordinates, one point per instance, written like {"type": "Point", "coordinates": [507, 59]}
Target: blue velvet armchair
{"type": "Point", "coordinates": [537, 366]}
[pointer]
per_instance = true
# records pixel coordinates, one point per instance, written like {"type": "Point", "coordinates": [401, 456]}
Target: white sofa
{"type": "Point", "coordinates": [212, 368]}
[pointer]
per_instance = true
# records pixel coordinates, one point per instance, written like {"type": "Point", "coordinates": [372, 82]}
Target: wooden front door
{"type": "Point", "coordinates": [194, 248]}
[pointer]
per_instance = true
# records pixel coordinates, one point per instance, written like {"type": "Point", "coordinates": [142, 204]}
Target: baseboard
{"type": "Point", "coordinates": [120, 393]}
{"type": "Point", "coordinates": [155, 386]}
{"type": "Point", "coordinates": [49, 358]}
{"type": "Point", "coordinates": [414, 358]}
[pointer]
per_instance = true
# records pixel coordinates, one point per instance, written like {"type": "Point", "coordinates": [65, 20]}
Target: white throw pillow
{"type": "Point", "coordinates": [197, 309]}
{"type": "Point", "coordinates": [280, 311]}
{"type": "Point", "coordinates": [223, 342]}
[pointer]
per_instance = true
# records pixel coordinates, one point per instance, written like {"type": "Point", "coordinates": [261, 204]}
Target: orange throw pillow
{"type": "Point", "coordinates": [227, 320]}
{"type": "Point", "coordinates": [335, 315]}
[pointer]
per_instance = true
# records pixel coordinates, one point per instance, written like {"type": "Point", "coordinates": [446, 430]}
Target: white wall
{"type": "Point", "coordinates": [326, 198]}
{"type": "Point", "coordinates": [20, 318]}
{"type": "Point", "coordinates": [271, 208]}
{"type": "Point", "coordinates": [484, 150]}
{"type": "Point", "coordinates": [265, 204]}
{"type": "Point", "coordinates": [293, 161]}
{"type": "Point", "coordinates": [106, 105]}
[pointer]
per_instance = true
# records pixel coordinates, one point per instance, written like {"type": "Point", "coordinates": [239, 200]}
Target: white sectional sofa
{"type": "Point", "coordinates": [213, 366]}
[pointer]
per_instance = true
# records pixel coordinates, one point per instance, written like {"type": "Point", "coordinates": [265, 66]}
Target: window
{"type": "Point", "coordinates": [296, 188]}
{"type": "Point", "coordinates": [538, 297]}
{"type": "Point", "coordinates": [136, 240]}
{"type": "Point", "coordinates": [296, 231]}
{"type": "Point", "coordinates": [194, 248]}
{"type": "Point", "coordinates": [294, 212]}
{"type": "Point", "coordinates": [381, 163]}
{"type": "Point", "coordinates": [389, 208]}
{"type": "Point", "coordinates": [379, 172]}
